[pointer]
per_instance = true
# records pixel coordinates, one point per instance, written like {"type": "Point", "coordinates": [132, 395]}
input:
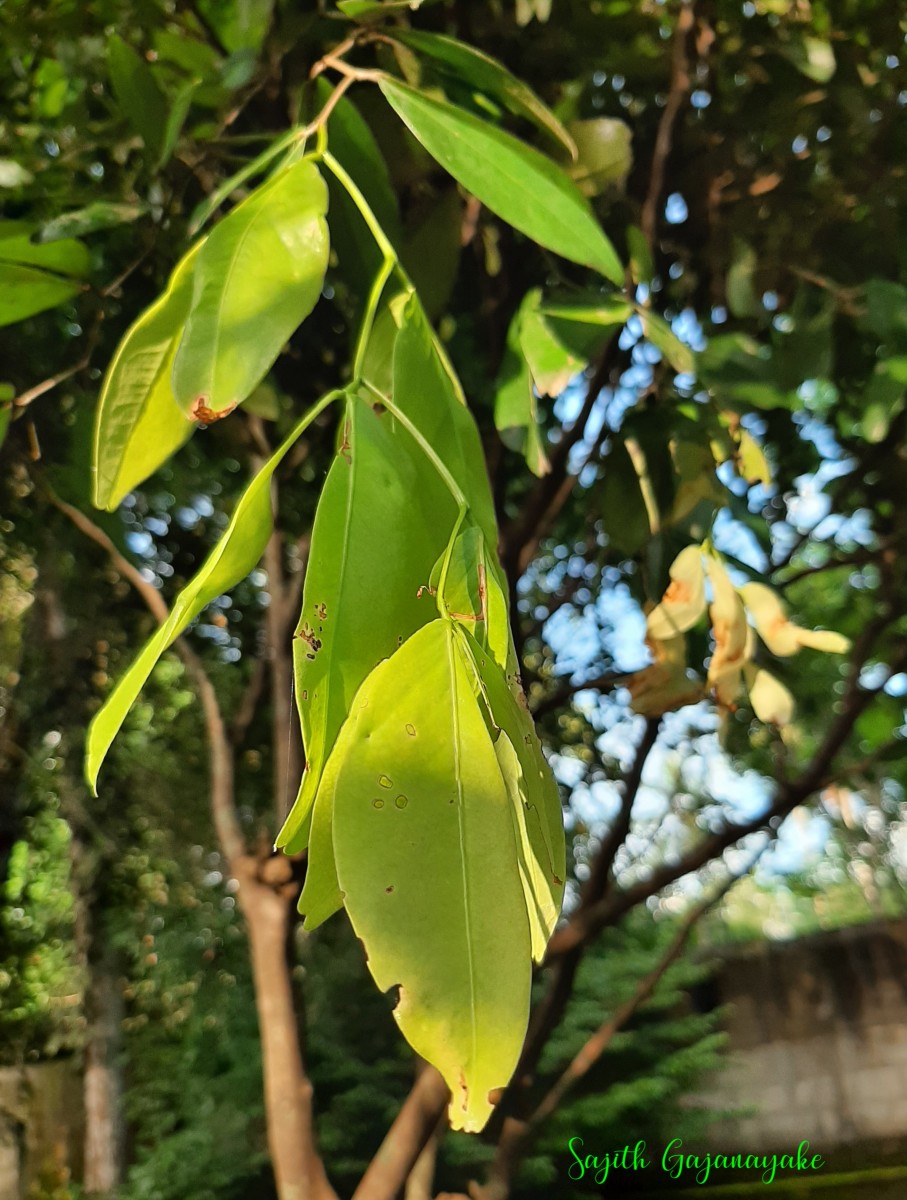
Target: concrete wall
{"type": "Point", "coordinates": [41, 1129]}
{"type": "Point", "coordinates": [817, 1041]}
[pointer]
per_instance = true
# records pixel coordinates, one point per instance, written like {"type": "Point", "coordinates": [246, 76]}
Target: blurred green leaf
{"type": "Point", "coordinates": [623, 512]}
{"type": "Point", "coordinates": [138, 95]}
{"type": "Point", "coordinates": [102, 214]}
{"type": "Point", "coordinates": [604, 154]}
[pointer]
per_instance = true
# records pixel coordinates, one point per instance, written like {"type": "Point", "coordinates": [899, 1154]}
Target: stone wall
{"type": "Point", "coordinates": [817, 1041]}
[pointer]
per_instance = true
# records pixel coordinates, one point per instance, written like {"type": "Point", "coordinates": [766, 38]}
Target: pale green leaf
{"type": "Point", "coordinates": [139, 425]}
{"type": "Point", "coordinates": [813, 57]}
{"type": "Point", "coordinates": [473, 591]}
{"type": "Point", "coordinates": [428, 865]}
{"type": "Point", "coordinates": [13, 174]}
{"type": "Point", "coordinates": [425, 392]}
{"type": "Point", "coordinates": [514, 180]}
{"type": "Point", "coordinates": [382, 520]}
{"type": "Point", "coordinates": [535, 803]}
{"type": "Point", "coordinates": [231, 560]}
{"type": "Point", "coordinates": [470, 66]}
{"type": "Point", "coordinates": [258, 275]}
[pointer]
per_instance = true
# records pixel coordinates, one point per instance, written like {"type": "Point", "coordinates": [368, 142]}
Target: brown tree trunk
{"type": "Point", "coordinates": [298, 1169]}
{"type": "Point", "coordinates": [103, 1082]}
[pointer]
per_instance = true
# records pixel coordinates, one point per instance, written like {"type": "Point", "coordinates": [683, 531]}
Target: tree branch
{"type": "Point", "coordinates": [406, 1139]}
{"type": "Point", "coordinates": [664, 138]}
{"type": "Point", "coordinates": [589, 920]}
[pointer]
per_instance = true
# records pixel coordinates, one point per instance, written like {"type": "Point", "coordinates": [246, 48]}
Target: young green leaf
{"type": "Point", "coordinates": [234, 556]}
{"type": "Point", "coordinates": [139, 424]}
{"type": "Point", "coordinates": [522, 186]}
{"type": "Point", "coordinates": [467, 65]}
{"type": "Point", "coordinates": [257, 277]}
{"type": "Point", "coordinates": [381, 522]}
{"type": "Point", "coordinates": [472, 591]}
{"type": "Point", "coordinates": [428, 865]}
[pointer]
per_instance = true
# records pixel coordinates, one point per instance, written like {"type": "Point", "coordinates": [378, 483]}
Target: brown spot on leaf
{"type": "Point", "coordinates": [389, 889]}
{"type": "Point", "coordinates": [207, 416]}
{"type": "Point", "coordinates": [306, 634]}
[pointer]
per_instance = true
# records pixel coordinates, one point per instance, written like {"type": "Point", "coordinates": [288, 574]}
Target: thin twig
{"type": "Point", "coordinates": [664, 138]}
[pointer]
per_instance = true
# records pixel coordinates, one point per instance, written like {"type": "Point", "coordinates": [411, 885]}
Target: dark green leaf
{"type": "Point", "coordinates": [431, 253]}
{"type": "Point", "coordinates": [487, 75]}
{"type": "Point", "coordinates": [518, 183]}
{"type": "Point", "coordinates": [137, 94]}
{"type": "Point", "coordinates": [239, 24]}
{"type": "Point", "coordinates": [624, 516]}
{"type": "Point", "coordinates": [515, 404]}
